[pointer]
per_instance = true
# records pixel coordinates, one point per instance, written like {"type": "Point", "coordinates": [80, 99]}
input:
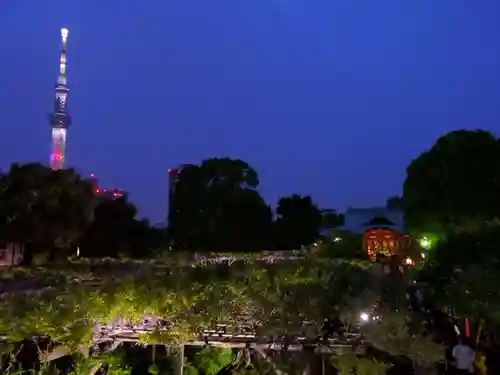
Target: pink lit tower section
{"type": "Point", "coordinates": [59, 118]}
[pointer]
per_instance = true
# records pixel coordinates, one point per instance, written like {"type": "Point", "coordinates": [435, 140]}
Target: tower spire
{"type": "Point", "coordinates": [59, 118]}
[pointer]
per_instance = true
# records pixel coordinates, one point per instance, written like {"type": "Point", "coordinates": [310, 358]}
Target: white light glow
{"type": "Point", "coordinates": [336, 239]}
{"type": "Point", "coordinates": [364, 317]}
{"type": "Point", "coordinates": [61, 97]}
{"type": "Point", "coordinates": [409, 261]}
{"type": "Point", "coordinates": [64, 34]}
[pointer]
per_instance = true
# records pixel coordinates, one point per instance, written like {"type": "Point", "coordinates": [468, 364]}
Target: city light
{"type": "Point", "coordinates": [364, 317]}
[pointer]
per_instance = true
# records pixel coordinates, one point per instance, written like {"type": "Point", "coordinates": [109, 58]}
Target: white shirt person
{"type": "Point", "coordinates": [464, 357]}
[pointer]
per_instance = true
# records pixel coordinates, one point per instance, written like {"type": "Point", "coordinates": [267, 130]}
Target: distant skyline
{"type": "Point", "coordinates": [329, 98]}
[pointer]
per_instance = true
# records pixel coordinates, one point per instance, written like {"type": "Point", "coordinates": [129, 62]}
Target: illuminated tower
{"type": "Point", "coordinates": [59, 118]}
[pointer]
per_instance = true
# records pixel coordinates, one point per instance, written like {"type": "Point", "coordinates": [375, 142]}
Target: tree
{"type": "Point", "coordinates": [227, 173]}
{"type": "Point", "coordinates": [456, 181]}
{"type": "Point", "coordinates": [243, 221]}
{"type": "Point", "coordinates": [462, 279]}
{"type": "Point", "coordinates": [146, 240]}
{"type": "Point", "coordinates": [109, 233]}
{"type": "Point", "coordinates": [44, 209]}
{"type": "Point", "coordinates": [298, 223]}
{"type": "Point", "coordinates": [464, 274]}
{"type": "Point", "coordinates": [216, 207]}
{"type": "Point", "coordinates": [116, 231]}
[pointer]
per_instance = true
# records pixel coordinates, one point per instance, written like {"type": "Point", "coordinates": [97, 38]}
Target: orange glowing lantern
{"type": "Point", "coordinates": [380, 241]}
{"type": "Point", "coordinates": [380, 238]}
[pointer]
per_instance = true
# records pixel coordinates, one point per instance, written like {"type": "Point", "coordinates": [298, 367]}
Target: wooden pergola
{"type": "Point", "coordinates": [109, 337]}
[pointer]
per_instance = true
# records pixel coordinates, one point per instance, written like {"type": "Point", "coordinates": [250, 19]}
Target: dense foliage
{"type": "Point", "coordinates": [133, 289]}
{"type": "Point", "coordinates": [454, 183]}
{"type": "Point", "coordinates": [287, 298]}
{"type": "Point", "coordinates": [115, 231]}
{"type": "Point", "coordinates": [462, 276]}
{"type": "Point", "coordinates": [216, 206]}
{"type": "Point", "coordinates": [41, 208]}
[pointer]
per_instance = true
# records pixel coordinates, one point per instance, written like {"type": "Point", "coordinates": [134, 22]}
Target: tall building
{"type": "Point", "coordinates": [94, 181]}
{"type": "Point", "coordinates": [173, 179]}
{"type": "Point", "coordinates": [59, 118]}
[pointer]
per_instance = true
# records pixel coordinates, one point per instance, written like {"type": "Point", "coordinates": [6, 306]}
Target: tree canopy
{"type": "Point", "coordinates": [116, 231]}
{"type": "Point", "coordinates": [216, 207]}
{"type": "Point", "coordinates": [286, 299]}
{"type": "Point", "coordinates": [56, 212]}
{"type": "Point", "coordinates": [464, 273]}
{"type": "Point", "coordinates": [454, 183]}
{"type": "Point", "coordinates": [298, 222]}
{"type": "Point", "coordinates": [44, 208]}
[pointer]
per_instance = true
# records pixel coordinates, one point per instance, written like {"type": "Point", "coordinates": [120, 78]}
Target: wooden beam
{"type": "Point", "coordinates": [332, 348]}
{"type": "Point", "coordinates": [56, 353]}
{"type": "Point", "coordinates": [59, 352]}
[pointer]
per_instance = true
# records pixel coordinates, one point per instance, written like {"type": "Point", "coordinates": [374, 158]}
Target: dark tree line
{"type": "Point", "coordinates": [43, 210]}
{"type": "Point", "coordinates": [55, 213]}
{"type": "Point", "coordinates": [216, 206]}
{"type": "Point", "coordinates": [116, 231]}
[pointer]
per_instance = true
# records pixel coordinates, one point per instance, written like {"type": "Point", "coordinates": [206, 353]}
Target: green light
{"type": "Point", "coordinates": [425, 243]}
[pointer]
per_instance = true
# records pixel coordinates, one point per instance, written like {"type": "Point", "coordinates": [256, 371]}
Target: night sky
{"type": "Point", "coordinates": [331, 98]}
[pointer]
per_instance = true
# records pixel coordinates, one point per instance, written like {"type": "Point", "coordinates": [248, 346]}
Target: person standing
{"type": "Point", "coordinates": [464, 357]}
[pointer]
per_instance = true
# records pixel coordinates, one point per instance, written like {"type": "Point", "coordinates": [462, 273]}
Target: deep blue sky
{"type": "Point", "coordinates": [331, 98]}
